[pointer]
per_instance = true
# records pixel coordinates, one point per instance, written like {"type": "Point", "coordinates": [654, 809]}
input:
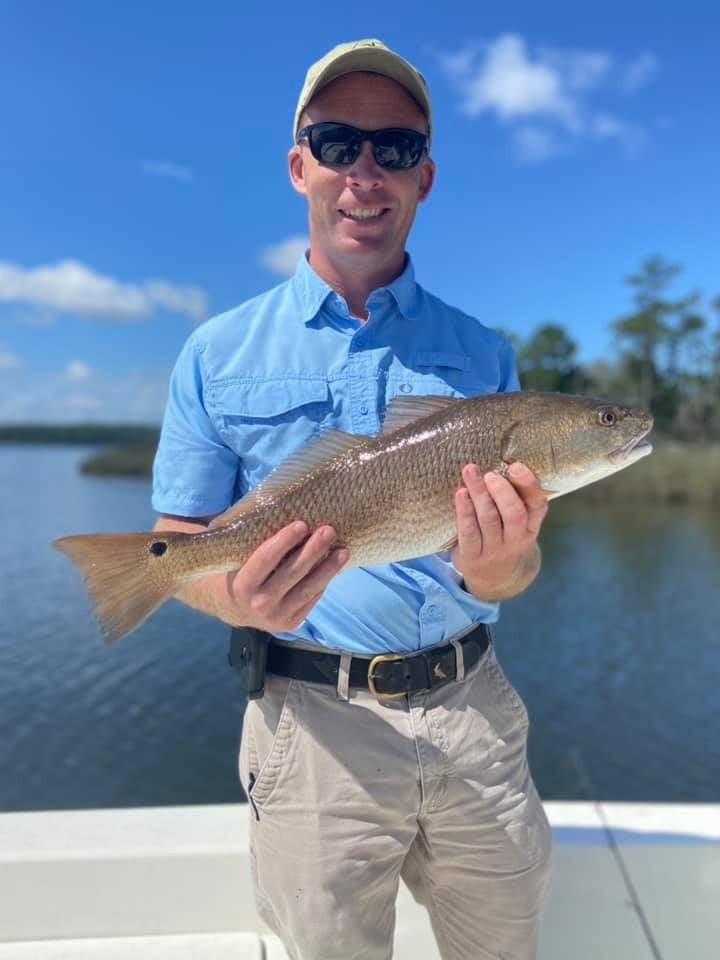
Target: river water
{"type": "Point", "coordinates": [615, 650]}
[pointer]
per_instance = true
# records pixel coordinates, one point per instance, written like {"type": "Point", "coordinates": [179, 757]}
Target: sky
{"type": "Point", "coordinates": [144, 188]}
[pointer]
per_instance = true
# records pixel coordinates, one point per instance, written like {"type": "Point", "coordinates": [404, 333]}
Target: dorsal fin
{"type": "Point", "coordinates": [404, 410]}
{"type": "Point", "coordinates": [317, 451]}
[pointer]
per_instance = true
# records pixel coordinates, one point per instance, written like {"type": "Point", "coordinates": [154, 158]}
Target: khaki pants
{"type": "Point", "coordinates": [351, 794]}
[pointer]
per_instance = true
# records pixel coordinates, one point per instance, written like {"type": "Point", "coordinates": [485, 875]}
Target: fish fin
{"type": "Point", "coordinates": [233, 513]}
{"type": "Point", "coordinates": [449, 545]}
{"type": "Point", "coordinates": [328, 445]}
{"type": "Point", "coordinates": [126, 583]}
{"type": "Point", "coordinates": [404, 410]}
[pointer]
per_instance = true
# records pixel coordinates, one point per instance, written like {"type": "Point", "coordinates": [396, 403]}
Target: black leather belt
{"type": "Point", "coordinates": [388, 676]}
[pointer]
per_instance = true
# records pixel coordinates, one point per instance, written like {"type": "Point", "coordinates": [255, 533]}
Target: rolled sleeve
{"type": "Point", "coordinates": [194, 474]}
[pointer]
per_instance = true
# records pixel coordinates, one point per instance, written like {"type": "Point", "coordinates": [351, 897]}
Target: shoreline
{"type": "Point", "coordinates": [673, 473]}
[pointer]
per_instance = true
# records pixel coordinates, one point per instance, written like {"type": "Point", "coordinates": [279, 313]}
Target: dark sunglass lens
{"type": "Point", "coordinates": [398, 149]}
{"type": "Point", "coordinates": [335, 143]}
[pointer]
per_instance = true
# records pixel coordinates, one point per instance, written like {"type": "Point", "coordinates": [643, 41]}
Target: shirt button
{"type": "Point", "coordinates": [406, 388]}
{"type": "Point", "coordinates": [432, 609]}
{"type": "Point", "coordinates": [364, 410]}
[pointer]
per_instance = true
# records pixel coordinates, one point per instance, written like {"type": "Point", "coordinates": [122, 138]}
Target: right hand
{"type": "Point", "coordinates": [283, 579]}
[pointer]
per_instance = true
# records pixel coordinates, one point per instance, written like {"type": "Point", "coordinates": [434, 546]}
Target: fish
{"type": "Point", "coordinates": [389, 497]}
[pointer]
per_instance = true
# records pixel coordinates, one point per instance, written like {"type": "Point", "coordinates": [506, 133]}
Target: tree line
{"type": "Point", "coordinates": [667, 361]}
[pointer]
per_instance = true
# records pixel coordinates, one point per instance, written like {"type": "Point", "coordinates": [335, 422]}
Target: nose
{"type": "Point", "coordinates": [365, 173]}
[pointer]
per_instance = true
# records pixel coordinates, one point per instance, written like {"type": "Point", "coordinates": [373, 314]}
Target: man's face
{"type": "Point", "coordinates": [370, 102]}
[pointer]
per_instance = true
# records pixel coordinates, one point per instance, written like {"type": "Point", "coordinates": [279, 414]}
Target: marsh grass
{"type": "Point", "coordinates": [673, 473]}
{"type": "Point", "coordinates": [122, 461]}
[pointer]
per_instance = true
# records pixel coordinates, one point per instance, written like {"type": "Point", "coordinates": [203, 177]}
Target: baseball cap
{"type": "Point", "coordinates": [364, 55]}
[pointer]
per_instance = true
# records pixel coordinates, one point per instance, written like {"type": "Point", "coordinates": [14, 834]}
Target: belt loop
{"type": "Point", "coordinates": [343, 684]}
{"type": "Point", "coordinates": [459, 660]}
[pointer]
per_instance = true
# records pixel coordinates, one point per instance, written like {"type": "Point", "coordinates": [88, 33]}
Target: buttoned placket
{"type": "Point", "coordinates": [431, 616]}
{"type": "Point", "coordinates": [361, 366]}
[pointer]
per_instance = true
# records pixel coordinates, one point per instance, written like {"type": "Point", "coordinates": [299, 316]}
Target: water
{"type": "Point", "coordinates": [615, 650]}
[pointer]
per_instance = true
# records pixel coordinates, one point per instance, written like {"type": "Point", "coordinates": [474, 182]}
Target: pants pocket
{"type": "Point", "coordinates": [267, 739]}
{"type": "Point", "coordinates": [505, 690]}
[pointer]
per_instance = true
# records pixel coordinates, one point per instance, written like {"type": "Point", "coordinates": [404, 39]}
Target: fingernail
{"type": "Point", "coordinates": [490, 477]}
{"type": "Point", "coordinates": [300, 527]}
{"type": "Point", "coordinates": [327, 535]}
{"type": "Point", "coordinates": [518, 470]}
{"type": "Point", "coordinates": [342, 557]}
{"type": "Point", "coordinates": [474, 472]}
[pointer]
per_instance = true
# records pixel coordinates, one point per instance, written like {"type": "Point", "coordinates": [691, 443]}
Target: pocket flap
{"type": "Point", "coordinates": [457, 361]}
{"type": "Point", "coordinates": [266, 398]}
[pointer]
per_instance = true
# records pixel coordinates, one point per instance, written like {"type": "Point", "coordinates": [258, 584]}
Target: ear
{"type": "Point", "coordinates": [427, 178]}
{"type": "Point", "coordinates": [296, 169]}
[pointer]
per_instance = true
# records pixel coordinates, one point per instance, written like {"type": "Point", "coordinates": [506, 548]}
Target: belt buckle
{"type": "Point", "coordinates": [371, 677]}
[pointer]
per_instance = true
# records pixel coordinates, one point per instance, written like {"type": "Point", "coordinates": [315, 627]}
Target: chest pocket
{"type": "Point", "coordinates": [264, 421]}
{"type": "Point", "coordinates": [437, 374]}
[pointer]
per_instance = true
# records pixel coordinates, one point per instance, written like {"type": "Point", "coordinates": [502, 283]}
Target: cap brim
{"type": "Point", "coordinates": [372, 60]}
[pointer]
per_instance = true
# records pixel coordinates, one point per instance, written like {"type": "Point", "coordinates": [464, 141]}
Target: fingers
{"type": "Point", "coordinates": [296, 618]}
{"type": "Point", "coordinates": [300, 561]}
{"type": "Point", "coordinates": [488, 519]}
{"type": "Point", "coordinates": [506, 511]}
{"type": "Point", "coordinates": [312, 586]}
{"type": "Point", "coordinates": [533, 496]}
{"type": "Point", "coordinates": [261, 563]}
{"type": "Point", "coordinates": [285, 577]}
{"type": "Point", "coordinates": [469, 533]}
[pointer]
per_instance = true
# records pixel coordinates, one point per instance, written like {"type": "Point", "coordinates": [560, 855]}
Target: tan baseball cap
{"type": "Point", "coordinates": [364, 55]}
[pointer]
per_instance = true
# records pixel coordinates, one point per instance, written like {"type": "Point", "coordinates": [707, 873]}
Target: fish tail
{"type": "Point", "coordinates": [125, 575]}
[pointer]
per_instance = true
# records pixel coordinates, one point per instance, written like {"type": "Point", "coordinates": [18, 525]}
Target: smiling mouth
{"type": "Point", "coordinates": [359, 214]}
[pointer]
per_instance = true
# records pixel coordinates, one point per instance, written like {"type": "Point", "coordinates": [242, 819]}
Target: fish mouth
{"type": "Point", "coordinates": [635, 448]}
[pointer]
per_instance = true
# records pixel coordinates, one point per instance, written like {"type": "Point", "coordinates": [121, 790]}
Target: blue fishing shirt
{"type": "Point", "coordinates": [253, 385]}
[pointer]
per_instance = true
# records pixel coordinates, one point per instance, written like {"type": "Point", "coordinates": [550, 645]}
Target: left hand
{"type": "Point", "coordinates": [498, 523]}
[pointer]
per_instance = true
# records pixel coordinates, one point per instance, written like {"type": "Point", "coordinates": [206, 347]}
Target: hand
{"type": "Point", "coordinates": [498, 522]}
{"type": "Point", "coordinates": [283, 579]}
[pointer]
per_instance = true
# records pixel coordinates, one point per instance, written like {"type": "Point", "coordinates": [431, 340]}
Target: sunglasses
{"type": "Point", "coordinates": [393, 147]}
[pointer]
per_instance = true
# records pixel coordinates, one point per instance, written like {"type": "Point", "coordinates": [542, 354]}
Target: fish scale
{"type": "Point", "coordinates": [389, 498]}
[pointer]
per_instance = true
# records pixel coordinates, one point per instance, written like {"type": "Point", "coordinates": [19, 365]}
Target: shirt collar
{"type": "Point", "coordinates": [313, 291]}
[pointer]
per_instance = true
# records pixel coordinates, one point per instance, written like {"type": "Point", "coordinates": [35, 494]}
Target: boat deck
{"type": "Point", "coordinates": [631, 882]}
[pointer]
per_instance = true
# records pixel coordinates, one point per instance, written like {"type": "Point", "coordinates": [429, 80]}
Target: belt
{"type": "Point", "coordinates": [388, 676]}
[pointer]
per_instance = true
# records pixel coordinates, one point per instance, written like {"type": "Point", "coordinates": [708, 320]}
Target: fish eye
{"type": "Point", "coordinates": [607, 417]}
{"type": "Point", "coordinates": [158, 548]}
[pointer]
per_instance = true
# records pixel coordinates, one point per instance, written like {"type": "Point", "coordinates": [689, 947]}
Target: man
{"type": "Point", "coordinates": [356, 771]}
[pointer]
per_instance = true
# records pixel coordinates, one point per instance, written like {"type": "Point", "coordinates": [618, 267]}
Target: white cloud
{"type": "Point", "coordinates": [607, 127]}
{"type": "Point", "coordinates": [138, 396]}
{"type": "Point", "coordinates": [77, 370]}
{"type": "Point", "coordinates": [553, 88]}
{"type": "Point", "coordinates": [577, 69]}
{"type": "Point", "coordinates": [508, 82]}
{"type": "Point", "coordinates": [639, 72]}
{"type": "Point", "coordinates": [82, 403]}
{"type": "Point", "coordinates": [191, 301]}
{"type": "Point", "coordinates": [282, 258]}
{"type": "Point", "coordinates": [74, 287]}
{"type": "Point", "coordinates": [29, 316]}
{"type": "Point", "coordinates": [172, 170]}
{"type": "Point", "coordinates": [8, 359]}
{"type": "Point", "coordinates": [535, 143]}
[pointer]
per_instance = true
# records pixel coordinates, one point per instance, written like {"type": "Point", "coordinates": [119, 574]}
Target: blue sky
{"type": "Point", "coordinates": [143, 181]}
